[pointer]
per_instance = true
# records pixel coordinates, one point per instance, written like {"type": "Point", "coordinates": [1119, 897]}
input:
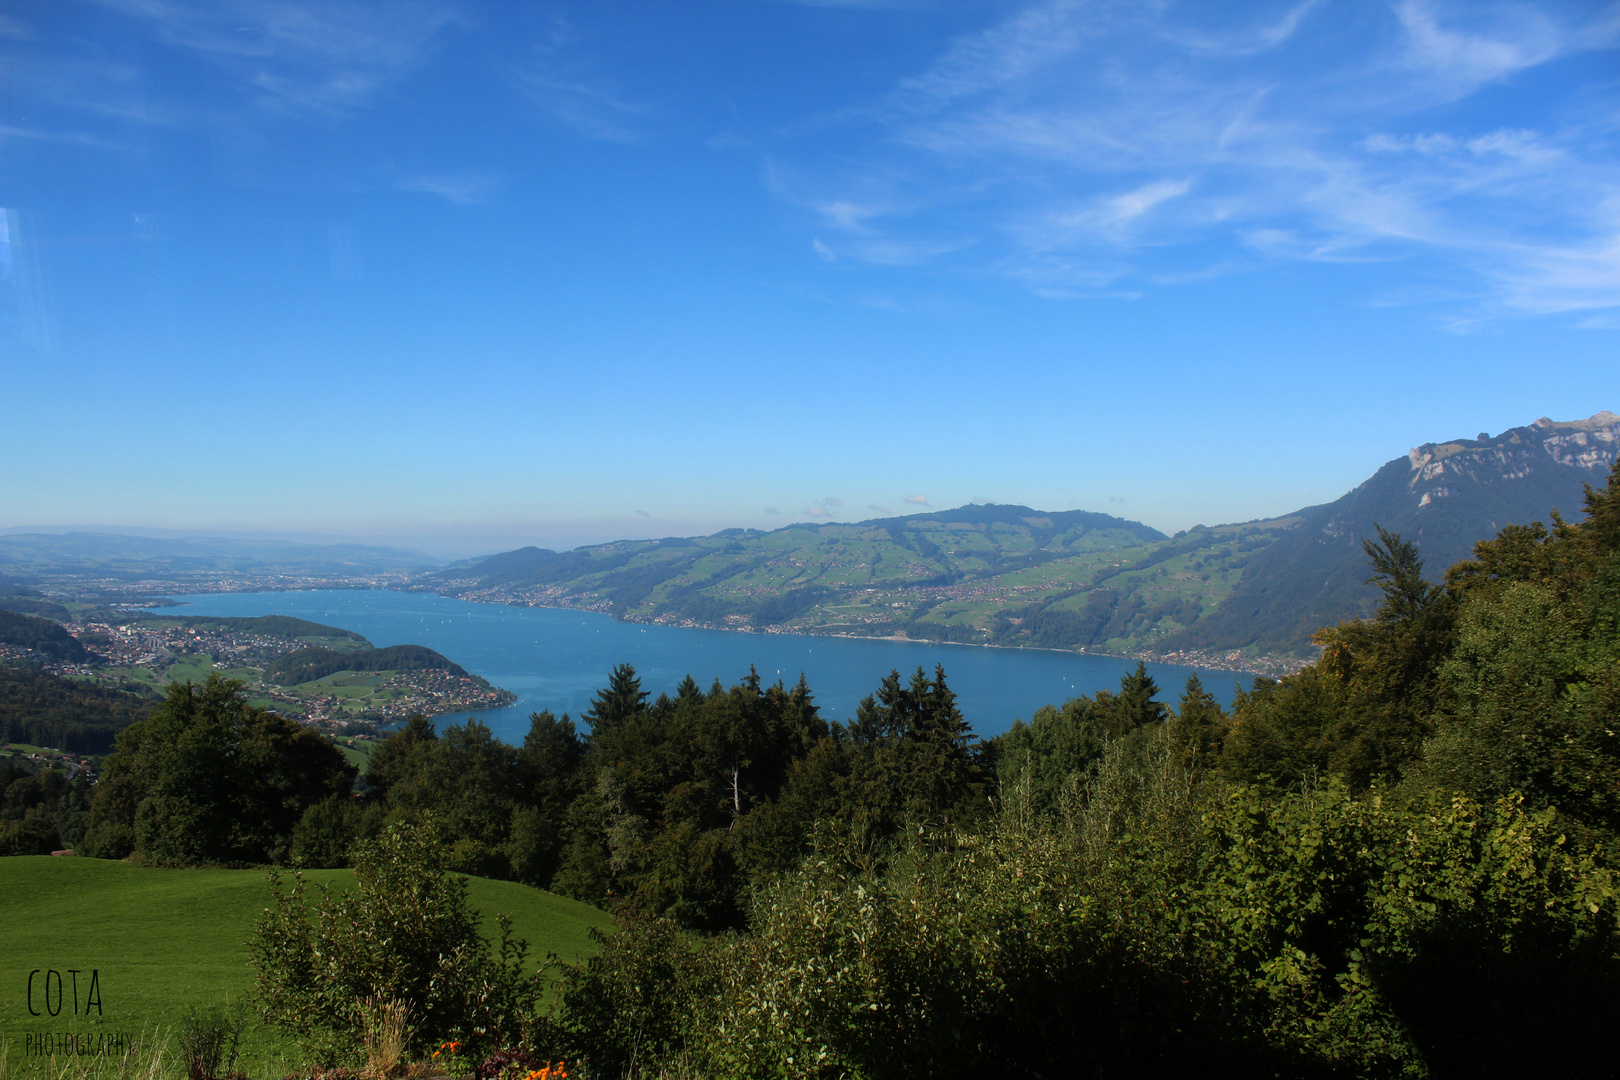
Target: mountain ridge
{"type": "Point", "coordinates": [1445, 497]}
{"type": "Point", "coordinates": [1006, 574]}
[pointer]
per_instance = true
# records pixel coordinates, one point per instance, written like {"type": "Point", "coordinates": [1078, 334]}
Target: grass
{"type": "Point", "coordinates": [357, 754]}
{"type": "Point", "coordinates": [165, 941]}
{"type": "Point", "coordinates": [189, 668]}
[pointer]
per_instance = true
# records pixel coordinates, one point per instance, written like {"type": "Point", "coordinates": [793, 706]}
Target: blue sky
{"type": "Point", "coordinates": [561, 272]}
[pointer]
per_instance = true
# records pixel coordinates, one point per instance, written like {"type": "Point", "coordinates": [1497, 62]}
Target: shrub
{"type": "Point", "coordinates": [403, 934]}
{"type": "Point", "coordinates": [210, 1041]}
{"type": "Point", "coordinates": [640, 1000]}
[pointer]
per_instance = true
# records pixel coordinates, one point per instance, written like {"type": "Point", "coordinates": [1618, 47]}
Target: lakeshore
{"type": "Point", "coordinates": [557, 658]}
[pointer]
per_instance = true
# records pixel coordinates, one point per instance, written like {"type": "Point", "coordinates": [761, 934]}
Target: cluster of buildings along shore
{"type": "Point", "coordinates": [121, 649]}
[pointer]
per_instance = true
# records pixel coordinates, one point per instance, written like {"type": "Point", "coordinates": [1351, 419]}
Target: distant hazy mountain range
{"type": "Point", "coordinates": [119, 555]}
{"type": "Point", "coordinates": [1011, 575]}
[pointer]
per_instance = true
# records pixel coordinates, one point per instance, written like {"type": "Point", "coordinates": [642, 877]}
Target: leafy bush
{"type": "Point", "coordinates": [1150, 931]}
{"type": "Point", "coordinates": [641, 999]}
{"type": "Point", "coordinates": [404, 933]}
{"type": "Point", "coordinates": [210, 1041]}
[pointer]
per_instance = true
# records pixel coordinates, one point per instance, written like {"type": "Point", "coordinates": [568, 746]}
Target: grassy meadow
{"type": "Point", "coordinates": [166, 941]}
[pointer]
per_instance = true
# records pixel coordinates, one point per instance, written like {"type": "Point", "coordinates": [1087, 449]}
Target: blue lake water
{"type": "Point", "coordinates": [557, 659]}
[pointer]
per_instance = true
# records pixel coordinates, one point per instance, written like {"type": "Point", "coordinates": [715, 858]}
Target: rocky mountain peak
{"type": "Point", "coordinates": [1439, 468]}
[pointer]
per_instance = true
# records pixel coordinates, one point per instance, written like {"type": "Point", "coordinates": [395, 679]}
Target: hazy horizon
{"type": "Point", "coordinates": [450, 547]}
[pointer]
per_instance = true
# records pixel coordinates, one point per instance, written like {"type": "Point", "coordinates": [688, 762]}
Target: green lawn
{"type": "Point", "coordinates": [163, 941]}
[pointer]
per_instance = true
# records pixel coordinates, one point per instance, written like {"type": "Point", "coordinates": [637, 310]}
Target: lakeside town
{"type": "Point", "coordinates": [146, 653]}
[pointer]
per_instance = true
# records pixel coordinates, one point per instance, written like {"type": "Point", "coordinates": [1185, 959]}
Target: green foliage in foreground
{"type": "Point", "coordinates": [404, 933]}
{"type": "Point", "coordinates": [168, 941]}
{"type": "Point", "coordinates": [1155, 930]}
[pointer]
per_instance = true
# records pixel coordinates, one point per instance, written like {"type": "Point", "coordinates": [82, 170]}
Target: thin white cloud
{"type": "Point", "coordinates": [1248, 40]}
{"type": "Point", "coordinates": [72, 137]}
{"type": "Point", "coordinates": [592, 110]}
{"type": "Point", "coordinates": [917, 500]}
{"type": "Point", "coordinates": [848, 215]}
{"type": "Point", "coordinates": [1133, 204]}
{"type": "Point", "coordinates": [562, 81]}
{"type": "Point", "coordinates": [459, 188]}
{"type": "Point", "coordinates": [1029, 42]}
{"type": "Point", "coordinates": [326, 57]}
{"type": "Point", "coordinates": [1459, 61]}
{"type": "Point", "coordinates": [1078, 148]}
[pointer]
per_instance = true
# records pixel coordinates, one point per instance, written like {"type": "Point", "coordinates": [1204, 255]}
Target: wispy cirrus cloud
{"type": "Point", "coordinates": [561, 79]}
{"type": "Point", "coordinates": [1103, 149]}
{"type": "Point", "coordinates": [1244, 40]}
{"type": "Point", "coordinates": [461, 188]}
{"type": "Point", "coordinates": [327, 57]}
{"type": "Point", "coordinates": [1454, 59]}
{"type": "Point", "coordinates": [8, 131]}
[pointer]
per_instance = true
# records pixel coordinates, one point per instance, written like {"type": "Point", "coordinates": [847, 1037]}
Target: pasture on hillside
{"type": "Point", "coordinates": [163, 942]}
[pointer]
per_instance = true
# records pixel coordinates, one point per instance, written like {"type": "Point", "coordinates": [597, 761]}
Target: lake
{"type": "Point", "coordinates": [555, 658]}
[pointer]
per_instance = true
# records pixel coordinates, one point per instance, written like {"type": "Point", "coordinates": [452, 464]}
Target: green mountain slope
{"type": "Point", "coordinates": [967, 574]}
{"type": "Point", "coordinates": [1010, 575]}
{"type": "Point", "coordinates": [276, 626]}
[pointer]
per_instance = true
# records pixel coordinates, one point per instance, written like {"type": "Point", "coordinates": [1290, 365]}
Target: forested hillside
{"type": "Point", "coordinates": [276, 626]}
{"type": "Point", "coordinates": [317, 662]}
{"type": "Point", "coordinates": [29, 602]}
{"type": "Point", "coordinates": [44, 636]}
{"type": "Point", "coordinates": [42, 709]}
